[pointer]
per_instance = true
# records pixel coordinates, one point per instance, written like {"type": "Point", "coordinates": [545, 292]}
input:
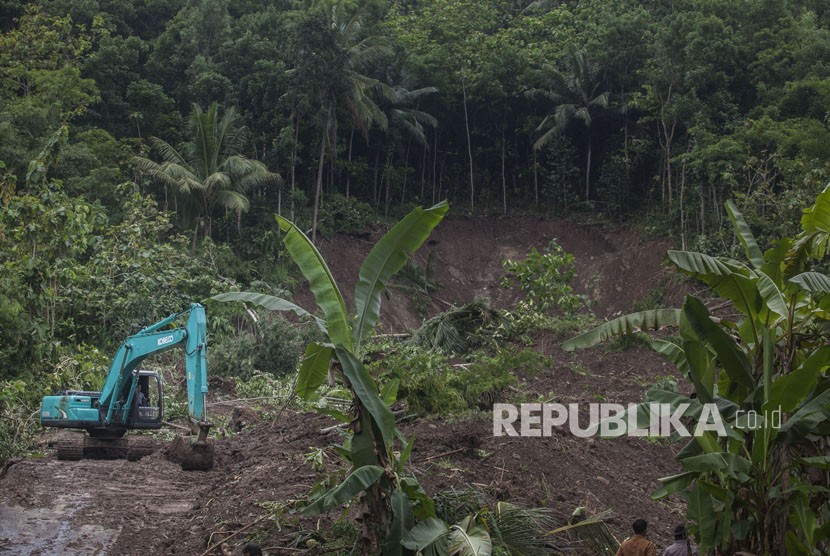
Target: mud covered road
{"type": "Point", "coordinates": [90, 507]}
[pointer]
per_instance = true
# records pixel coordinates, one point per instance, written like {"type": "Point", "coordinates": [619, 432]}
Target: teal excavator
{"type": "Point", "coordinates": [134, 399]}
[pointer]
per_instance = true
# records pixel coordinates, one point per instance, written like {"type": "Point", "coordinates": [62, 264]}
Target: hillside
{"type": "Point", "coordinates": [152, 507]}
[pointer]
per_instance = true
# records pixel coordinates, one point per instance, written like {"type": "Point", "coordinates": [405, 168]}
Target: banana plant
{"type": "Point", "coordinates": [390, 500]}
{"type": "Point", "coordinates": [763, 485]}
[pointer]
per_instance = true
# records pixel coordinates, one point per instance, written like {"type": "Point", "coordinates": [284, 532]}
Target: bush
{"type": "Point", "coordinates": [273, 347]}
{"type": "Point", "coordinates": [431, 384]}
{"type": "Point", "coordinates": [423, 380]}
{"type": "Point", "coordinates": [339, 214]}
{"type": "Point", "coordinates": [545, 279]}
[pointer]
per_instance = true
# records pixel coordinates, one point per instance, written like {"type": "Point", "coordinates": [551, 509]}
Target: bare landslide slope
{"type": "Point", "coordinates": [152, 507]}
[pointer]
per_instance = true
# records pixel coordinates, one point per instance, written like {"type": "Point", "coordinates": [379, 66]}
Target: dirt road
{"type": "Point", "coordinates": [91, 507]}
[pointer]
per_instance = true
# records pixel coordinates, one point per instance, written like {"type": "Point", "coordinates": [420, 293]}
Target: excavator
{"type": "Point", "coordinates": [133, 399]}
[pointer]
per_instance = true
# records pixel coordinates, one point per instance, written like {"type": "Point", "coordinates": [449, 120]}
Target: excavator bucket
{"type": "Point", "coordinates": [193, 455]}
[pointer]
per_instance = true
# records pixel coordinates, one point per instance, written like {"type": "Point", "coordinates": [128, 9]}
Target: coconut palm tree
{"type": "Point", "coordinates": [577, 96]}
{"type": "Point", "coordinates": [334, 55]}
{"type": "Point", "coordinates": [208, 170]}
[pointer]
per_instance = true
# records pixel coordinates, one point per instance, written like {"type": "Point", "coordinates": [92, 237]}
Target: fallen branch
{"type": "Point", "coordinates": [226, 402]}
{"type": "Point", "coordinates": [226, 539]}
{"type": "Point", "coordinates": [444, 454]}
{"type": "Point", "coordinates": [175, 426]}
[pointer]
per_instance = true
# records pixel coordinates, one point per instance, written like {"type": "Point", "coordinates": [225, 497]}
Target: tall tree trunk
{"type": "Point", "coordinates": [469, 144]}
{"type": "Point", "coordinates": [294, 161]}
{"type": "Point", "coordinates": [388, 173]}
{"type": "Point", "coordinates": [423, 172]}
{"type": "Point", "coordinates": [349, 170]}
{"type": "Point", "coordinates": [319, 186]}
{"type": "Point", "coordinates": [503, 176]}
{"type": "Point", "coordinates": [535, 180]}
{"type": "Point", "coordinates": [682, 208]}
{"type": "Point", "coordinates": [434, 164]}
{"type": "Point", "coordinates": [375, 187]}
{"type": "Point", "coordinates": [588, 173]}
{"type": "Point", "coordinates": [405, 170]}
{"type": "Point", "coordinates": [441, 175]}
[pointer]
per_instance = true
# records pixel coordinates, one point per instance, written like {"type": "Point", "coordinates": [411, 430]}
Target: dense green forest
{"type": "Point", "coordinates": [145, 146]}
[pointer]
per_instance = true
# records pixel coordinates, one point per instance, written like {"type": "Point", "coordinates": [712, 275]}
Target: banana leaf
{"type": "Point", "coordinates": [322, 284]}
{"type": "Point", "coordinates": [628, 324]}
{"type": "Point", "coordinates": [358, 481]}
{"type": "Point", "coordinates": [753, 252]}
{"type": "Point", "coordinates": [385, 259]}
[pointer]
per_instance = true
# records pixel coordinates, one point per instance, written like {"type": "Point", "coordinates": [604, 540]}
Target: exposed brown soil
{"type": "Point", "coordinates": [151, 506]}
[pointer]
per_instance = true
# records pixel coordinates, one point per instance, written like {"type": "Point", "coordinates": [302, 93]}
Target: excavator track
{"type": "Point", "coordinates": [70, 449]}
{"type": "Point", "coordinates": [76, 448]}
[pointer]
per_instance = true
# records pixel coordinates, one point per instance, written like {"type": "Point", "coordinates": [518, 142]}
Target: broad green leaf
{"type": "Point", "coordinates": [731, 279]}
{"type": "Point", "coordinates": [467, 538]}
{"type": "Point", "coordinates": [811, 414]}
{"type": "Point", "coordinates": [789, 391]}
{"type": "Point", "coordinates": [425, 533]}
{"type": "Point", "coordinates": [817, 217]}
{"type": "Point", "coordinates": [402, 521]}
{"type": "Point", "coordinates": [363, 449]}
{"type": "Point", "coordinates": [733, 465]}
{"type": "Point", "coordinates": [358, 481]}
{"type": "Point", "coordinates": [815, 283]}
{"type": "Point", "coordinates": [423, 507]}
{"type": "Point", "coordinates": [701, 365]}
{"type": "Point", "coordinates": [820, 462]}
{"type": "Point", "coordinates": [705, 267]}
{"type": "Point", "coordinates": [311, 263]}
{"type": "Point", "coordinates": [734, 361]}
{"type": "Point", "coordinates": [673, 353]}
{"type": "Point", "coordinates": [701, 510]}
{"type": "Point", "coordinates": [407, 452]}
{"type": "Point", "coordinates": [775, 259]}
{"type": "Point", "coordinates": [390, 391]}
{"type": "Point", "coordinates": [270, 302]}
{"type": "Point", "coordinates": [628, 324]}
{"type": "Point", "coordinates": [336, 414]}
{"type": "Point", "coordinates": [313, 369]}
{"type": "Point", "coordinates": [814, 240]}
{"type": "Point", "coordinates": [753, 253]}
{"type": "Point", "coordinates": [773, 299]}
{"type": "Point", "coordinates": [674, 483]}
{"type": "Point", "coordinates": [385, 259]}
{"type": "Point", "coordinates": [366, 390]}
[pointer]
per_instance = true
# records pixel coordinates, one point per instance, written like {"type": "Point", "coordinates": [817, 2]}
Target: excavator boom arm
{"type": "Point", "coordinates": [156, 339]}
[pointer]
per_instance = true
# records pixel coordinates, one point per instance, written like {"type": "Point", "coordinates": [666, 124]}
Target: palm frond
{"type": "Point", "coordinates": [168, 152]}
{"type": "Point", "coordinates": [259, 180]}
{"type": "Point", "coordinates": [589, 537]}
{"type": "Point", "coordinates": [521, 530]}
{"type": "Point", "coordinates": [453, 330]}
{"type": "Point", "coordinates": [218, 181]}
{"type": "Point", "coordinates": [231, 200]}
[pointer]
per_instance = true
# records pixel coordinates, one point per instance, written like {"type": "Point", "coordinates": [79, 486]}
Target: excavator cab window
{"type": "Point", "coordinates": [148, 399]}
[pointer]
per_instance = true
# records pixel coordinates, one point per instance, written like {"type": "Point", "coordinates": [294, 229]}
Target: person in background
{"type": "Point", "coordinates": [638, 545]}
{"type": "Point", "coordinates": [682, 546]}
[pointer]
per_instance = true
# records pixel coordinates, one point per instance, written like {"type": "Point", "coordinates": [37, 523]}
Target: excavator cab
{"type": "Point", "coordinates": [148, 402]}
